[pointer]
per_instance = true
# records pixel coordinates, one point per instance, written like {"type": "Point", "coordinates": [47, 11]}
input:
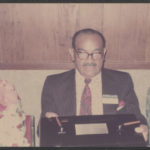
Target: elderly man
{"type": "Point", "coordinates": [90, 89]}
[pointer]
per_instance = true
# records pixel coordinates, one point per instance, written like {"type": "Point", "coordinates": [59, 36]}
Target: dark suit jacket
{"type": "Point", "coordinates": [59, 93]}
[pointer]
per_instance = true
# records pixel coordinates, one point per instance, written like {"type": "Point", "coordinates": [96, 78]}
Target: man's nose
{"type": "Point", "coordinates": [90, 57]}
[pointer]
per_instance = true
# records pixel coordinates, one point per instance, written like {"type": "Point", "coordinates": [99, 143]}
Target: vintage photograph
{"type": "Point", "coordinates": [74, 74]}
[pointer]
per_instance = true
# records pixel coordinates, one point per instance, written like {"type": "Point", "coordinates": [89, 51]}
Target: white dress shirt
{"type": "Point", "coordinates": [96, 92]}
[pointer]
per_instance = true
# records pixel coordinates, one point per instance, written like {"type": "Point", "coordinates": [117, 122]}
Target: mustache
{"type": "Point", "coordinates": [89, 64]}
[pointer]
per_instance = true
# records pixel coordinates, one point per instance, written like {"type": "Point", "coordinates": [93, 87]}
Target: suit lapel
{"type": "Point", "coordinates": [71, 93]}
{"type": "Point", "coordinates": [108, 90]}
{"type": "Point", "coordinates": [106, 83]}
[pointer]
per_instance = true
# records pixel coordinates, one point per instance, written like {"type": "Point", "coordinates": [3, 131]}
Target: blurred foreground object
{"type": "Point", "coordinates": [12, 117]}
{"type": "Point", "coordinates": [148, 111]}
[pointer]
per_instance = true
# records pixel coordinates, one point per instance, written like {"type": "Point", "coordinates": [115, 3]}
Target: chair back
{"type": "Point", "coordinates": [30, 130]}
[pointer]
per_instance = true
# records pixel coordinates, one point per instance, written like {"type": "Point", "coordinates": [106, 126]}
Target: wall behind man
{"type": "Point", "coordinates": [38, 36]}
{"type": "Point", "coordinates": [29, 84]}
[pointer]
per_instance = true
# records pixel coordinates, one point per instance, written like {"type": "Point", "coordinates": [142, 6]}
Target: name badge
{"type": "Point", "coordinates": [91, 128]}
{"type": "Point", "coordinates": [110, 99]}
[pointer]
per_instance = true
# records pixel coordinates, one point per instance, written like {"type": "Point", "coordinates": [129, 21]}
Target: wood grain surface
{"type": "Point", "coordinates": [38, 36]}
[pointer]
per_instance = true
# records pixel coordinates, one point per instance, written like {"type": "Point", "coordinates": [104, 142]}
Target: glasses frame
{"type": "Point", "coordinates": [101, 53]}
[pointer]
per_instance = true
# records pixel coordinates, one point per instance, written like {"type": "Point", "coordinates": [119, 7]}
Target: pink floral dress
{"type": "Point", "coordinates": [12, 117]}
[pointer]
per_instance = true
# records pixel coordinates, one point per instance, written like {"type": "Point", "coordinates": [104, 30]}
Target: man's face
{"type": "Point", "coordinates": [90, 65]}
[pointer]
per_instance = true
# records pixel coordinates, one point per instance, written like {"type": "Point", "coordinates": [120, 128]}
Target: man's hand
{"type": "Point", "coordinates": [50, 114]}
{"type": "Point", "coordinates": [144, 130]}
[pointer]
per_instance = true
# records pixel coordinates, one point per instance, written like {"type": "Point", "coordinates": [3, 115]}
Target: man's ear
{"type": "Point", "coordinates": [71, 52]}
{"type": "Point", "coordinates": [105, 50]}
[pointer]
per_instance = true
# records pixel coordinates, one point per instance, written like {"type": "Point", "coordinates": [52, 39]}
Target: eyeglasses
{"type": "Point", "coordinates": [85, 55]}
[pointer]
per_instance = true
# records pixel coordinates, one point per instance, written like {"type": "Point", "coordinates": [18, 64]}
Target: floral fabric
{"type": "Point", "coordinates": [12, 117]}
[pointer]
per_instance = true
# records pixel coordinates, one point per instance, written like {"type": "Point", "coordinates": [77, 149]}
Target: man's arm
{"type": "Point", "coordinates": [131, 100]}
{"type": "Point", "coordinates": [48, 103]}
{"type": "Point", "coordinates": [133, 107]}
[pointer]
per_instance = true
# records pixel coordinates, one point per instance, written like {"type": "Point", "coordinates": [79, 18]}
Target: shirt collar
{"type": "Point", "coordinates": [81, 78]}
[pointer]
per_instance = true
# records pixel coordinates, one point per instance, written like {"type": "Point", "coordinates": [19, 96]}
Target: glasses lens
{"type": "Point", "coordinates": [97, 55]}
{"type": "Point", "coordinates": [83, 55]}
